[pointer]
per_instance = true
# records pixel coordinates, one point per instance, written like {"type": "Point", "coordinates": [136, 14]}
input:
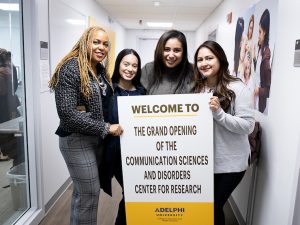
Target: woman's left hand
{"type": "Point", "coordinates": [214, 103]}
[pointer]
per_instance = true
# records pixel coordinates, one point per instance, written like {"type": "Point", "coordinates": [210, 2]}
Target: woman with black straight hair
{"type": "Point", "coordinates": [170, 72]}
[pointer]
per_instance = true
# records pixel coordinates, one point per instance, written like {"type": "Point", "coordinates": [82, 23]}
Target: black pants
{"type": "Point", "coordinates": [225, 183]}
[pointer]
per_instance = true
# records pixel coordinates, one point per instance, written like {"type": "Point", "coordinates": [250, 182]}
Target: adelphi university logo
{"type": "Point", "coordinates": [169, 214]}
{"type": "Point", "coordinates": [169, 210]}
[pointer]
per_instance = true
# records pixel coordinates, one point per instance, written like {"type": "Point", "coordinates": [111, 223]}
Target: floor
{"type": "Point", "coordinates": [8, 211]}
{"type": "Point", "coordinates": [60, 212]}
{"type": "Point", "coordinates": [229, 216]}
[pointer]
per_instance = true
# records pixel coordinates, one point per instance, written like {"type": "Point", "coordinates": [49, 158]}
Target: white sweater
{"type": "Point", "coordinates": [231, 132]}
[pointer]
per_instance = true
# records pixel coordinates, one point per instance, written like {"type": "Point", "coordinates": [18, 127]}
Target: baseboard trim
{"type": "Point", "coordinates": [57, 195]}
{"type": "Point", "coordinates": [236, 211]}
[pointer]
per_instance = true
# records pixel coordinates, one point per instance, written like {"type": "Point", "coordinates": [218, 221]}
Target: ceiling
{"type": "Point", "coordinates": [186, 15]}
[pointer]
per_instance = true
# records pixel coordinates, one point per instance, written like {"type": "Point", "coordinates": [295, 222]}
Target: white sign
{"type": "Point", "coordinates": [167, 154]}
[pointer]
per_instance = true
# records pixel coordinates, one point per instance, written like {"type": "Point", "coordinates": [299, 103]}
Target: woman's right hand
{"type": "Point", "coordinates": [214, 103]}
{"type": "Point", "coordinates": [115, 130]}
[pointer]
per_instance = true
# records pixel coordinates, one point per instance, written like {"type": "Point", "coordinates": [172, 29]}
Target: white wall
{"type": "Point", "coordinates": [92, 8]}
{"type": "Point", "coordinates": [279, 162]}
{"type": "Point", "coordinates": [296, 219]}
{"type": "Point", "coordinates": [133, 35]}
{"type": "Point", "coordinates": [281, 158]}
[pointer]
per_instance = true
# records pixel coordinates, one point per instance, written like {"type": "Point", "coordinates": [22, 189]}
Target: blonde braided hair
{"type": "Point", "coordinates": [80, 51]}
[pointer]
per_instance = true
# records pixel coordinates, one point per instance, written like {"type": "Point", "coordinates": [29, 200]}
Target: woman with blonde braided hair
{"type": "Point", "coordinates": [83, 94]}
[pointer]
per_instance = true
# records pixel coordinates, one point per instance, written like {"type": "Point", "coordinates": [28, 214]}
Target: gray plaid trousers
{"type": "Point", "coordinates": [79, 154]}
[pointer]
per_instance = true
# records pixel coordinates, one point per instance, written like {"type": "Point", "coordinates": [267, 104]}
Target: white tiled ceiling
{"type": "Point", "coordinates": [186, 15]}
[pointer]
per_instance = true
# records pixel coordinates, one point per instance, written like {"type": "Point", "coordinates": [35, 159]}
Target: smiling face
{"type": "Point", "coordinates": [172, 53]}
{"type": "Point", "coordinates": [208, 64]}
{"type": "Point", "coordinates": [128, 67]}
{"type": "Point", "coordinates": [98, 48]}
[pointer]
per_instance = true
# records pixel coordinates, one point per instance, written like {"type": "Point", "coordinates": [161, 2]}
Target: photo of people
{"type": "Point", "coordinates": [253, 51]}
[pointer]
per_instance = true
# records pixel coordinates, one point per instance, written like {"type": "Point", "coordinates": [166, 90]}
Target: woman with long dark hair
{"type": "Point", "coordinates": [263, 68]}
{"type": "Point", "coordinates": [170, 72]}
{"type": "Point", "coordinates": [233, 117]}
{"type": "Point", "coordinates": [239, 30]}
{"type": "Point", "coordinates": [126, 82]}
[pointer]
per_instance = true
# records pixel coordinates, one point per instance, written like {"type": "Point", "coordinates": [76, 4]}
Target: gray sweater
{"type": "Point", "coordinates": [167, 84]}
{"type": "Point", "coordinates": [231, 132]}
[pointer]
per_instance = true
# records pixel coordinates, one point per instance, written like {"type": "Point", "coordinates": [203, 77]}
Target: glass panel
{"type": "Point", "coordinates": [14, 179]}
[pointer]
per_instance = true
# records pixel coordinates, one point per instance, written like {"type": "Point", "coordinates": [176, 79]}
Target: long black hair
{"type": "Point", "coordinates": [237, 43]}
{"type": "Point", "coordinates": [183, 70]}
{"type": "Point", "coordinates": [265, 26]}
{"type": "Point", "coordinates": [136, 81]}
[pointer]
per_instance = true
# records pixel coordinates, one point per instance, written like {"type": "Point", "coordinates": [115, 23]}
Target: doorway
{"type": "Point", "coordinates": [146, 48]}
{"type": "Point", "coordinates": [14, 176]}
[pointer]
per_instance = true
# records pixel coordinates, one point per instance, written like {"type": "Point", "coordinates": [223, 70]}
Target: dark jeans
{"type": "Point", "coordinates": [225, 183]}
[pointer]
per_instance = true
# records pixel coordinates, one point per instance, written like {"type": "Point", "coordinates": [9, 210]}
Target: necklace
{"type": "Point", "coordinates": [100, 77]}
{"type": "Point", "coordinates": [102, 86]}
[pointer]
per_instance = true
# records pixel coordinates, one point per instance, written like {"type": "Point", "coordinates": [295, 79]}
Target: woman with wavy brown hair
{"type": "Point", "coordinates": [233, 118]}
